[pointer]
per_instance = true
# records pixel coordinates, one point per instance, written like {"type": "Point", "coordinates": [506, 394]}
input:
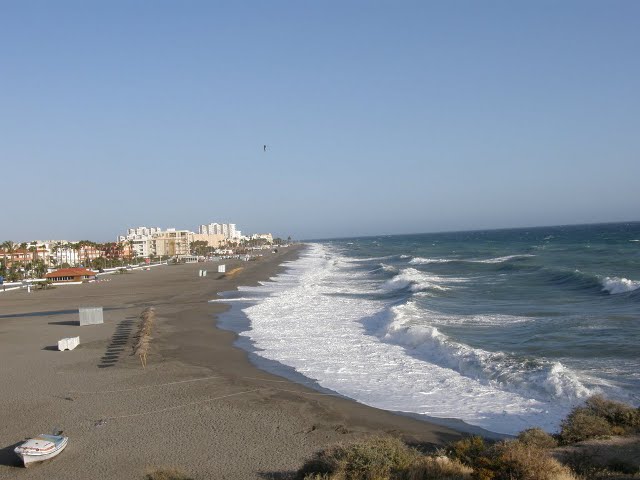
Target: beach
{"type": "Point", "coordinates": [199, 406]}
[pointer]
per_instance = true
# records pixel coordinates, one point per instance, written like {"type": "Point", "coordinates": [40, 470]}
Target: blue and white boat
{"type": "Point", "coordinates": [42, 447]}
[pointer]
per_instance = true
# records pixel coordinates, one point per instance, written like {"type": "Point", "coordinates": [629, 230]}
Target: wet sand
{"type": "Point", "coordinates": [200, 405]}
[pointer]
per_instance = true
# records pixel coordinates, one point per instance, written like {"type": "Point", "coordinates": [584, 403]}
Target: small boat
{"type": "Point", "coordinates": [42, 447]}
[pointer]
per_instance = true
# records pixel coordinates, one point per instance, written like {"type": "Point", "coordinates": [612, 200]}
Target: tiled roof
{"type": "Point", "coordinates": [69, 272]}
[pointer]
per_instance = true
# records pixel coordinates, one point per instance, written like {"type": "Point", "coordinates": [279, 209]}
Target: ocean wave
{"type": "Point", "coordinates": [541, 379]}
{"type": "Point", "coordinates": [367, 259]}
{"type": "Point", "coordinates": [503, 259]}
{"type": "Point", "coordinates": [421, 260]}
{"type": "Point", "coordinates": [414, 280]}
{"type": "Point", "coordinates": [388, 268]}
{"type": "Point", "coordinates": [615, 285]}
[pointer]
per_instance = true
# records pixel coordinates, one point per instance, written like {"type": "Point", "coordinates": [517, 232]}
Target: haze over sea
{"type": "Point", "coordinates": [503, 329]}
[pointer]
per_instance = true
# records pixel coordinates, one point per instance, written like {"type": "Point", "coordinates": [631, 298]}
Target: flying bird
{"type": "Point", "coordinates": [264, 148]}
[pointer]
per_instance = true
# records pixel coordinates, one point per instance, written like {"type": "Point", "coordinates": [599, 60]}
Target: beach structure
{"type": "Point", "coordinates": [90, 315]}
{"type": "Point", "coordinates": [68, 343]}
{"type": "Point", "coordinates": [68, 275]}
{"type": "Point", "coordinates": [143, 335]}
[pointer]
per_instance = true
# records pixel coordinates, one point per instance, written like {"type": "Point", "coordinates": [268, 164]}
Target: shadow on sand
{"type": "Point", "coordinates": [8, 456]}
{"type": "Point", "coordinates": [118, 343]}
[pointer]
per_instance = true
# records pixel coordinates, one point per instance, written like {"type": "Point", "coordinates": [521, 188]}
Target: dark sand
{"type": "Point", "coordinates": [225, 419]}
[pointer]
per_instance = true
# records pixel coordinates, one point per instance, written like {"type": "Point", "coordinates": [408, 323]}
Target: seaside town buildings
{"type": "Point", "coordinates": [25, 259]}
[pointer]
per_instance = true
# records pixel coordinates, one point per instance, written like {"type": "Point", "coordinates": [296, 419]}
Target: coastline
{"type": "Point", "coordinates": [200, 405]}
{"type": "Point", "coordinates": [236, 321]}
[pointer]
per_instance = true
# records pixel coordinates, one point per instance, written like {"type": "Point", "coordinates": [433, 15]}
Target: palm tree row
{"type": "Point", "coordinates": [62, 254]}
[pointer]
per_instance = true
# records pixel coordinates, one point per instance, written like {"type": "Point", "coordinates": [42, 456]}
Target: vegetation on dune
{"type": "Point", "coordinates": [533, 455]}
{"type": "Point", "coordinates": [380, 458]}
{"type": "Point", "coordinates": [598, 418]}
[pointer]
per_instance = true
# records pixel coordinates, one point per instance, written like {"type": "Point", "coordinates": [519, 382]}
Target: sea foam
{"type": "Point", "coordinates": [408, 325]}
{"type": "Point", "coordinates": [615, 285]}
{"type": "Point", "coordinates": [506, 258]}
{"type": "Point", "coordinates": [311, 321]}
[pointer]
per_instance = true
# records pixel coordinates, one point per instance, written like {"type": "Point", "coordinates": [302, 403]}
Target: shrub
{"type": "Point", "coordinates": [616, 413]}
{"type": "Point", "coordinates": [538, 438]}
{"type": "Point", "coordinates": [437, 468]}
{"type": "Point", "coordinates": [513, 460]}
{"type": "Point", "coordinates": [467, 450]}
{"type": "Point", "coordinates": [377, 458]}
{"type": "Point", "coordinates": [166, 474]}
{"type": "Point", "coordinates": [582, 424]}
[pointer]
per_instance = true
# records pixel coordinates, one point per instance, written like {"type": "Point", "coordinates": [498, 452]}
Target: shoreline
{"type": "Point", "coordinates": [200, 406]}
{"type": "Point", "coordinates": [234, 320]}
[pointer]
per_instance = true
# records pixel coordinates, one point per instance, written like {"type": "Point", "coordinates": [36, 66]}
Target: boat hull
{"type": "Point", "coordinates": [29, 458]}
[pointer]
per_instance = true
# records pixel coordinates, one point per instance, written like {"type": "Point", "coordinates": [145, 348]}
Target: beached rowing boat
{"type": "Point", "coordinates": [42, 447]}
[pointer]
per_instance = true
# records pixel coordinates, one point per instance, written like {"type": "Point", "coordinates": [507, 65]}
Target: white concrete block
{"type": "Point", "coordinates": [68, 343]}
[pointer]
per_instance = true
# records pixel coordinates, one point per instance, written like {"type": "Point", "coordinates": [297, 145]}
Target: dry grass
{"type": "Point", "coordinates": [437, 468]}
{"type": "Point", "coordinates": [529, 457]}
{"type": "Point", "coordinates": [166, 474]}
{"type": "Point", "coordinates": [233, 273]}
{"type": "Point", "coordinates": [516, 460]}
{"type": "Point", "coordinates": [143, 335]}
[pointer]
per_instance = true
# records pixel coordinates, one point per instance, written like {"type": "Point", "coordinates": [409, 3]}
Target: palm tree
{"type": "Point", "coordinates": [9, 247]}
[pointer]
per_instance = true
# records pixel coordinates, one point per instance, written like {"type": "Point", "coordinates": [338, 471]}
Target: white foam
{"type": "Point", "coordinates": [615, 285]}
{"type": "Point", "coordinates": [388, 268]}
{"type": "Point", "coordinates": [502, 259]}
{"type": "Point", "coordinates": [416, 280]}
{"type": "Point", "coordinates": [421, 260]}
{"type": "Point", "coordinates": [233, 299]}
{"type": "Point", "coordinates": [304, 323]}
{"type": "Point", "coordinates": [409, 325]}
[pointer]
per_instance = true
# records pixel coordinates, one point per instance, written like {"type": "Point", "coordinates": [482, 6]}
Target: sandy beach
{"type": "Point", "coordinates": [199, 406]}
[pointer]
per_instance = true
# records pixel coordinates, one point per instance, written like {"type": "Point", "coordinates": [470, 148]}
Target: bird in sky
{"type": "Point", "coordinates": [264, 148]}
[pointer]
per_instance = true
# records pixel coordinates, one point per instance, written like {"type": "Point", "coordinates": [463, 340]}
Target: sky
{"type": "Point", "coordinates": [379, 117]}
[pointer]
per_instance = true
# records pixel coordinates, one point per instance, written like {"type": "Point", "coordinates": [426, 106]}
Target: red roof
{"type": "Point", "coordinates": [70, 272]}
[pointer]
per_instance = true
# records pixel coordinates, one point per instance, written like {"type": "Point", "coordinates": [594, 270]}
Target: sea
{"type": "Point", "coordinates": [499, 330]}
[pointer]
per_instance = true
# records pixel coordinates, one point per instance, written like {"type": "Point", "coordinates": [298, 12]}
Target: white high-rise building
{"type": "Point", "coordinates": [226, 229]}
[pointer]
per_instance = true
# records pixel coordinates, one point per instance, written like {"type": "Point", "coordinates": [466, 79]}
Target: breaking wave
{"type": "Point", "coordinates": [615, 285]}
{"type": "Point", "coordinates": [539, 378]}
{"type": "Point", "coordinates": [414, 280]}
{"type": "Point", "coordinates": [420, 260]}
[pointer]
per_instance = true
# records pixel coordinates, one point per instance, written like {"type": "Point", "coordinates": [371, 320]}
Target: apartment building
{"type": "Point", "coordinates": [228, 230]}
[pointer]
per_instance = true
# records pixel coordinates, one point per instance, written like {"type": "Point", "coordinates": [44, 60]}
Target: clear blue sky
{"type": "Point", "coordinates": [380, 117]}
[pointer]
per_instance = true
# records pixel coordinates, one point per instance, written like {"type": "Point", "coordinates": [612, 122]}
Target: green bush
{"type": "Point", "coordinates": [617, 414]}
{"type": "Point", "coordinates": [514, 460]}
{"type": "Point", "coordinates": [538, 438]}
{"type": "Point", "coordinates": [582, 424]}
{"type": "Point", "coordinates": [377, 458]}
{"type": "Point", "coordinates": [468, 450]}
